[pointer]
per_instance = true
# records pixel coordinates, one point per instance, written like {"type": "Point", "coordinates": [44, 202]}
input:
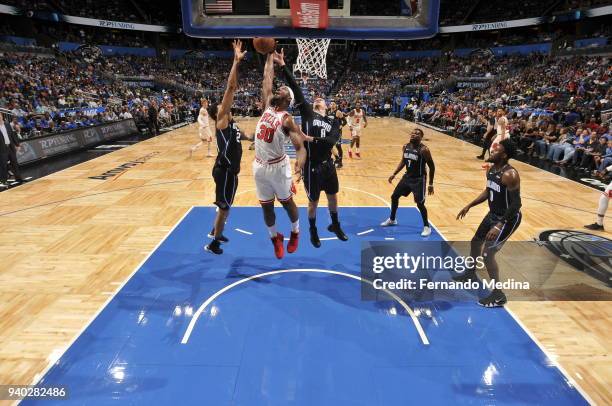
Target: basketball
{"type": "Point", "coordinates": [264, 45]}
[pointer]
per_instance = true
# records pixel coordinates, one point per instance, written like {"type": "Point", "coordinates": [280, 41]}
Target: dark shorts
{"type": "Point", "coordinates": [488, 223]}
{"type": "Point", "coordinates": [226, 183]}
{"type": "Point", "coordinates": [320, 177]}
{"type": "Point", "coordinates": [408, 185]}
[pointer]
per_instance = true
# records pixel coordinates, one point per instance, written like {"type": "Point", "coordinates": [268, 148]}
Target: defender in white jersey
{"type": "Point", "coordinates": [356, 120]}
{"type": "Point", "coordinates": [502, 130]}
{"type": "Point", "coordinates": [272, 167]}
{"type": "Point", "coordinates": [204, 129]}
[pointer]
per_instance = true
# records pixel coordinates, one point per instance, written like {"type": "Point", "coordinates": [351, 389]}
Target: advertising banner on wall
{"type": "Point", "coordinates": [56, 144]}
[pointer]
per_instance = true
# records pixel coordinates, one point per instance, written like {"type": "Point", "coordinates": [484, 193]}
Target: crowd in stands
{"type": "Point", "coordinates": [47, 94]}
{"type": "Point", "coordinates": [67, 91]}
{"type": "Point", "coordinates": [135, 11]}
{"type": "Point", "coordinates": [553, 105]}
{"type": "Point", "coordinates": [454, 12]}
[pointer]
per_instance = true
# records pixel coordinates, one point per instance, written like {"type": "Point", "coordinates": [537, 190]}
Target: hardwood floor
{"type": "Point", "coordinates": [69, 241]}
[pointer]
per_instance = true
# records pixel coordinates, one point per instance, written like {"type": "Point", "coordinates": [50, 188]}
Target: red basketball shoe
{"type": "Point", "coordinates": [279, 249]}
{"type": "Point", "coordinates": [292, 245]}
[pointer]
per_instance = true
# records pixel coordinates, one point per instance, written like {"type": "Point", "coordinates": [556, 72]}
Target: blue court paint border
{"type": "Point", "coordinates": [180, 222]}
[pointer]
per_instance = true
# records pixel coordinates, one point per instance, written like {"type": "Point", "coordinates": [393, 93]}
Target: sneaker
{"type": "Point", "coordinates": [279, 249]}
{"type": "Point", "coordinates": [336, 229]}
{"type": "Point", "coordinates": [351, 154]}
{"type": "Point", "coordinates": [339, 164]}
{"type": "Point", "coordinates": [480, 157]}
{"type": "Point", "coordinates": [426, 231]}
{"type": "Point", "coordinates": [314, 237]}
{"type": "Point", "coordinates": [594, 226]}
{"type": "Point", "coordinates": [292, 245]}
{"type": "Point", "coordinates": [495, 299]}
{"type": "Point", "coordinates": [221, 238]}
{"type": "Point", "coordinates": [358, 155]}
{"type": "Point", "coordinates": [214, 247]}
{"type": "Point", "coordinates": [389, 222]}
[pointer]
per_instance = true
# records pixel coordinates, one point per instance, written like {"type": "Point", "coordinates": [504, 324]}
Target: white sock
{"type": "Point", "coordinates": [272, 231]}
{"type": "Point", "coordinates": [295, 227]}
{"type": "Point", "coordinates": [603, 207]}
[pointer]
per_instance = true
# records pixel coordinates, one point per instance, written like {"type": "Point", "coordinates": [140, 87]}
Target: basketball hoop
{"type": "Point", "coordinates": [312, 53]}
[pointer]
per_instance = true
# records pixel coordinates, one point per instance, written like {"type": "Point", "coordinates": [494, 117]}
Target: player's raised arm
{"type": "Point", "coordinates": [400, 166]}
{"type": "Point", "coordinates": [300, 100]}
{"type": "Point", "coordinates": [268, 78]}
{"type": "Point", "coordinates": [232, 85]}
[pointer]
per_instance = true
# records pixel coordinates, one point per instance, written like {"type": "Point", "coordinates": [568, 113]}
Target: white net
{"type": "Point", "coordinates": [312, 53]}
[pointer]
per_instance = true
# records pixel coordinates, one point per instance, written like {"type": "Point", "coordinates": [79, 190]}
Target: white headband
{"type": "Point", "coordinates": [291, 95]}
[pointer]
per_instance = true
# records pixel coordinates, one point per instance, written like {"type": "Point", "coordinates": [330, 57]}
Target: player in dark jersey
{"type": "Point", "coordinates": [319, 172]}
{"type": "Point", "coordinates": [503, 193]}
{"type": "Point", "coordinates": [333, 107]}
{"type": "Point", "coordinates": [227, 165]}
{"type": "Point", "coordinates": [415, 155]}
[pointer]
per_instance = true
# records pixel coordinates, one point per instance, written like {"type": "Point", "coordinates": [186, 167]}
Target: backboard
{"type": "Point", "coordinates": [228, 19]}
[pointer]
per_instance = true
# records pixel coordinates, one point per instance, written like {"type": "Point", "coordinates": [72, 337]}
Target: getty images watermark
{"type": "Point", "coordinates": [430, 270]}
{"type": "Point", "coordinates": [425, 264]}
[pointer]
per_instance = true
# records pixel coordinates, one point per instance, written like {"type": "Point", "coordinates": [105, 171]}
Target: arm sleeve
{"type": "Point", "coordinates": [300, 101]}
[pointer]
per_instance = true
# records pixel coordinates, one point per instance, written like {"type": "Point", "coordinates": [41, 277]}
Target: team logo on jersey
{"type": "Point", "coordinates": [589, 253]}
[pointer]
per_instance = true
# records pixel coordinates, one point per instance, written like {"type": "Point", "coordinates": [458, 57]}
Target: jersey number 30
{"type": "Point", "coordinates": [265, 133]}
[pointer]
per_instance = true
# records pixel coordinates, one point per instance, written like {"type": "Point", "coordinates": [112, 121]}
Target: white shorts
{"type": "Point", "coordinates": [273, 181]}
{"type": "Point", "coordinates": [355, 132]}
{"type": "Point", "coordinates": [205, 134]}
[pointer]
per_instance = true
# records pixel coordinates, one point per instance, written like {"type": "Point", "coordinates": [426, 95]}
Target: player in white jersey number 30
{"type": "Point", "coordinates": [272, 167]}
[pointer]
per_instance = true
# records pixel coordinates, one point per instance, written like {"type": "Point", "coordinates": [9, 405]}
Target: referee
{"type": "Point", "coordinates": [227, 164]}
{"type": "Point", "coordinates": [319, 171]}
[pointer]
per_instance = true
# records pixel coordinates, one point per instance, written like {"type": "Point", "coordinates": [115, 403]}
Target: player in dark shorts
{"type": "Point", "coordinates": [503, 193]}
{"type": "Point", "coordinates": [415, 155]}
{"type": "Point", "coordinates": [333, 108]}
{"type": "Point", "coordinates": [227, 165]}
{"type": "Point", "coordinates": [319, 174]}
{"type": "Point", "coordinates": [488, 136]}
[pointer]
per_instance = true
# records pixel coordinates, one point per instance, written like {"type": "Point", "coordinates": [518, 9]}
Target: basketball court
{"type": "Point", "coordinates": [106, 289]}
{"type": "Point", "coordinates": [106, 292]}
